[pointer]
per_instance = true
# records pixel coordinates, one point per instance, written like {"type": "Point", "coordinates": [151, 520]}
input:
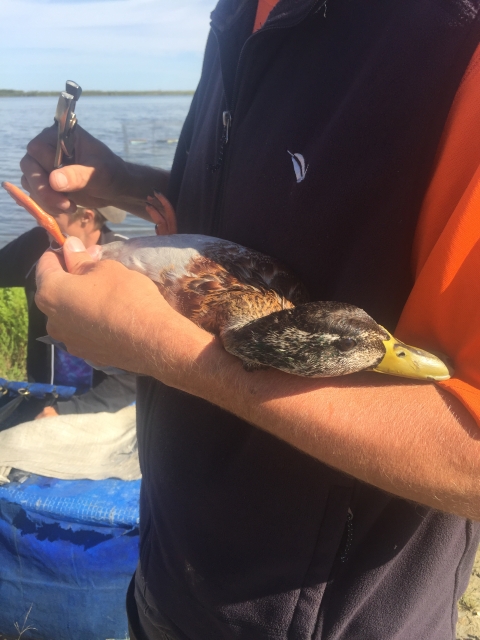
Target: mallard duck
{"type": "Point", "coordinates": [259, 309]}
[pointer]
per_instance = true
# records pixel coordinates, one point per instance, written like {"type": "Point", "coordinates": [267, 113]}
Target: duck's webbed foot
{"type": "Point", "coordinates": [162, 213]}
{"type": "Point", "coordinates": [43, 218]}
{"type": "Point", "coordinates": [250, 366]}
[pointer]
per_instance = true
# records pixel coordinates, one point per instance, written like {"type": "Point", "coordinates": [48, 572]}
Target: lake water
{"type": "Point", "coordinates": [141, 129]}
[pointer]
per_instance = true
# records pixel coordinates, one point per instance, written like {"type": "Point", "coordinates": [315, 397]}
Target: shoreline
{"type": "Point", "coordinates": [13, 93]}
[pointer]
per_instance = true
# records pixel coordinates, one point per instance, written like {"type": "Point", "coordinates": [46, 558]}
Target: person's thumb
{"type": "Point", "coordinates": [71, 178]}
{"type": "Point", "coordinates": [77, 258]}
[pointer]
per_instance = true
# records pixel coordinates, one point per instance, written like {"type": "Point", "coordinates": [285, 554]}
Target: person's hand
{"type": "Point", "coordinates": [48, 412]}
{"type": "Point", "coordinates": [96, 180]}
{"type": "Point", "coordinates": [109, 315]}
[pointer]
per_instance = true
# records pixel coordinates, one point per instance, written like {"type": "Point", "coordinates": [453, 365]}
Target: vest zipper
{"type": "Point", "coordinates": [227, 122]}
{"type": "Point", "coordinates": [349, 539]}
{"type": "Point", "coordinates": [227, 115]}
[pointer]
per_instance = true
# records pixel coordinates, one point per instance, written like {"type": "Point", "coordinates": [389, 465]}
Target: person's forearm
{"type": "Point", "coordinates": [140, 181]}
{"type": "Point", "coordinates": [410, 439]}
{"type": "Point", "coordinates": [98, 179]}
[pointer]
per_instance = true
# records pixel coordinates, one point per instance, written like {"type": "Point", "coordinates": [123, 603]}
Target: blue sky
{"type": "Point", "coordinates": [102, 44]}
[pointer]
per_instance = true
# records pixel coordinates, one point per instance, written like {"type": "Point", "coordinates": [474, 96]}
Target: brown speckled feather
{"type": "Point", "coordinates": [212, 282]}
{"type": "Point", "coordinates": [258, 270]}
{"type": "Point", "coordinates": [213, 298]}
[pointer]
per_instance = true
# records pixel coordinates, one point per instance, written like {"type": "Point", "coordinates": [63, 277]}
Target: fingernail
{"type": "Point", "coordinates": [74, 244]}
{"type": "Point", "coordinates": [60, 180]}
{"type": "Point", "coordinates": [65, 204]}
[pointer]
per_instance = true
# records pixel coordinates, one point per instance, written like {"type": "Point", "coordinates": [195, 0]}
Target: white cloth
{"type": "Point", "coordinates": [91, 446]}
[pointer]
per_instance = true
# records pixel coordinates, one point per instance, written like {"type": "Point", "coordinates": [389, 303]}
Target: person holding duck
{"type": "Point", "coordinates": [277, 505]}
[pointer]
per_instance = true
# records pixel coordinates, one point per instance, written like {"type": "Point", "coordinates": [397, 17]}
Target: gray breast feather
{"type": "Point", "coordinates": [153, 254]}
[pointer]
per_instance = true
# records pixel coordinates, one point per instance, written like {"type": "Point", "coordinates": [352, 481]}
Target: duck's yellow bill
{"type": "Point", "coordinates": [410, 362]}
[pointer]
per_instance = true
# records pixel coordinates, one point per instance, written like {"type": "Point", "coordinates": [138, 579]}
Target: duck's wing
{"type": "Point", "coordinates": [210, 281]}
{"type": "Point", "coordinates": [257, 269]}
{"type": "Point", "coordinates": [181, 255]}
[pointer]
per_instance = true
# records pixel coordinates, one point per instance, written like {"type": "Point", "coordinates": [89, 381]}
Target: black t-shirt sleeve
{"type": "Point", "coordinates": [18, 257]}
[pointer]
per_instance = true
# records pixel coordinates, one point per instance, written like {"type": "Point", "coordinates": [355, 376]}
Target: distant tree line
{"type": "Point", "coordinates": [13, 93]}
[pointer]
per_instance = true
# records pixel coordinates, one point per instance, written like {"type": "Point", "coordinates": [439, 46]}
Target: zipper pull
{"type": "Point", "coordinates": [227, 121]}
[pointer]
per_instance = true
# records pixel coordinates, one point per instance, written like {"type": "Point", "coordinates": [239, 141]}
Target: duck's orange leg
{"type": "Point", "coordinates": [162, 214]}
{"type": "Point", "coordinates": [47, 221]}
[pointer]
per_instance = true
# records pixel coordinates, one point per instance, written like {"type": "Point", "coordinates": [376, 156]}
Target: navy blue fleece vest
{"type": "Point", "coordinates": [243, 536]}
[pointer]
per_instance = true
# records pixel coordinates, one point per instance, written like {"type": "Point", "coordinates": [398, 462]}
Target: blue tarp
{"type": "Point", "coordinates": [36, 389]}
{"type": "Point", "coordinates": [67, 552]}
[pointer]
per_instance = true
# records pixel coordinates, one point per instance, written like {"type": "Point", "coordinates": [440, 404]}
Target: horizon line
{"type": "Point", "coordinates": [17, 93]}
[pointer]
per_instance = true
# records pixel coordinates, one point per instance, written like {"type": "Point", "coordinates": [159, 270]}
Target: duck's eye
{"type": "Point", "coordinates": [345, 344]}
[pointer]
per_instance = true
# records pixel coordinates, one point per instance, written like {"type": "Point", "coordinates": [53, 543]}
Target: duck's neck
{"type": "Point", "coordinates": [255, 340]}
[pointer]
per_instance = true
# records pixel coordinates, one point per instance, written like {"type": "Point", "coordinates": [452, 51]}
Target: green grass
{"type": "Point", "coordinates": [13, 334]}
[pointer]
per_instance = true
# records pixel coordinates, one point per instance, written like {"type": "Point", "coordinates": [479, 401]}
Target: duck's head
{"type": "Point", "coordinates": [326, 339]}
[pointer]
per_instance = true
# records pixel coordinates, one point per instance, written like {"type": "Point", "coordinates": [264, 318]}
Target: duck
{"type": "Point", "coordinates": [255, 305]}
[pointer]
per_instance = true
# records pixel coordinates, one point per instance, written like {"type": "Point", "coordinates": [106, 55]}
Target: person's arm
{"type": "Point", "coordinates": [99, 179]}
{"type": "Point", "coordinates": [110, 393]}
{"type": "Point", "coordinates": [412, 440]}
{"type": "Point", "coordinates": [19, 255]}
{"type": "Point", "coordinates": [47, 412]}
